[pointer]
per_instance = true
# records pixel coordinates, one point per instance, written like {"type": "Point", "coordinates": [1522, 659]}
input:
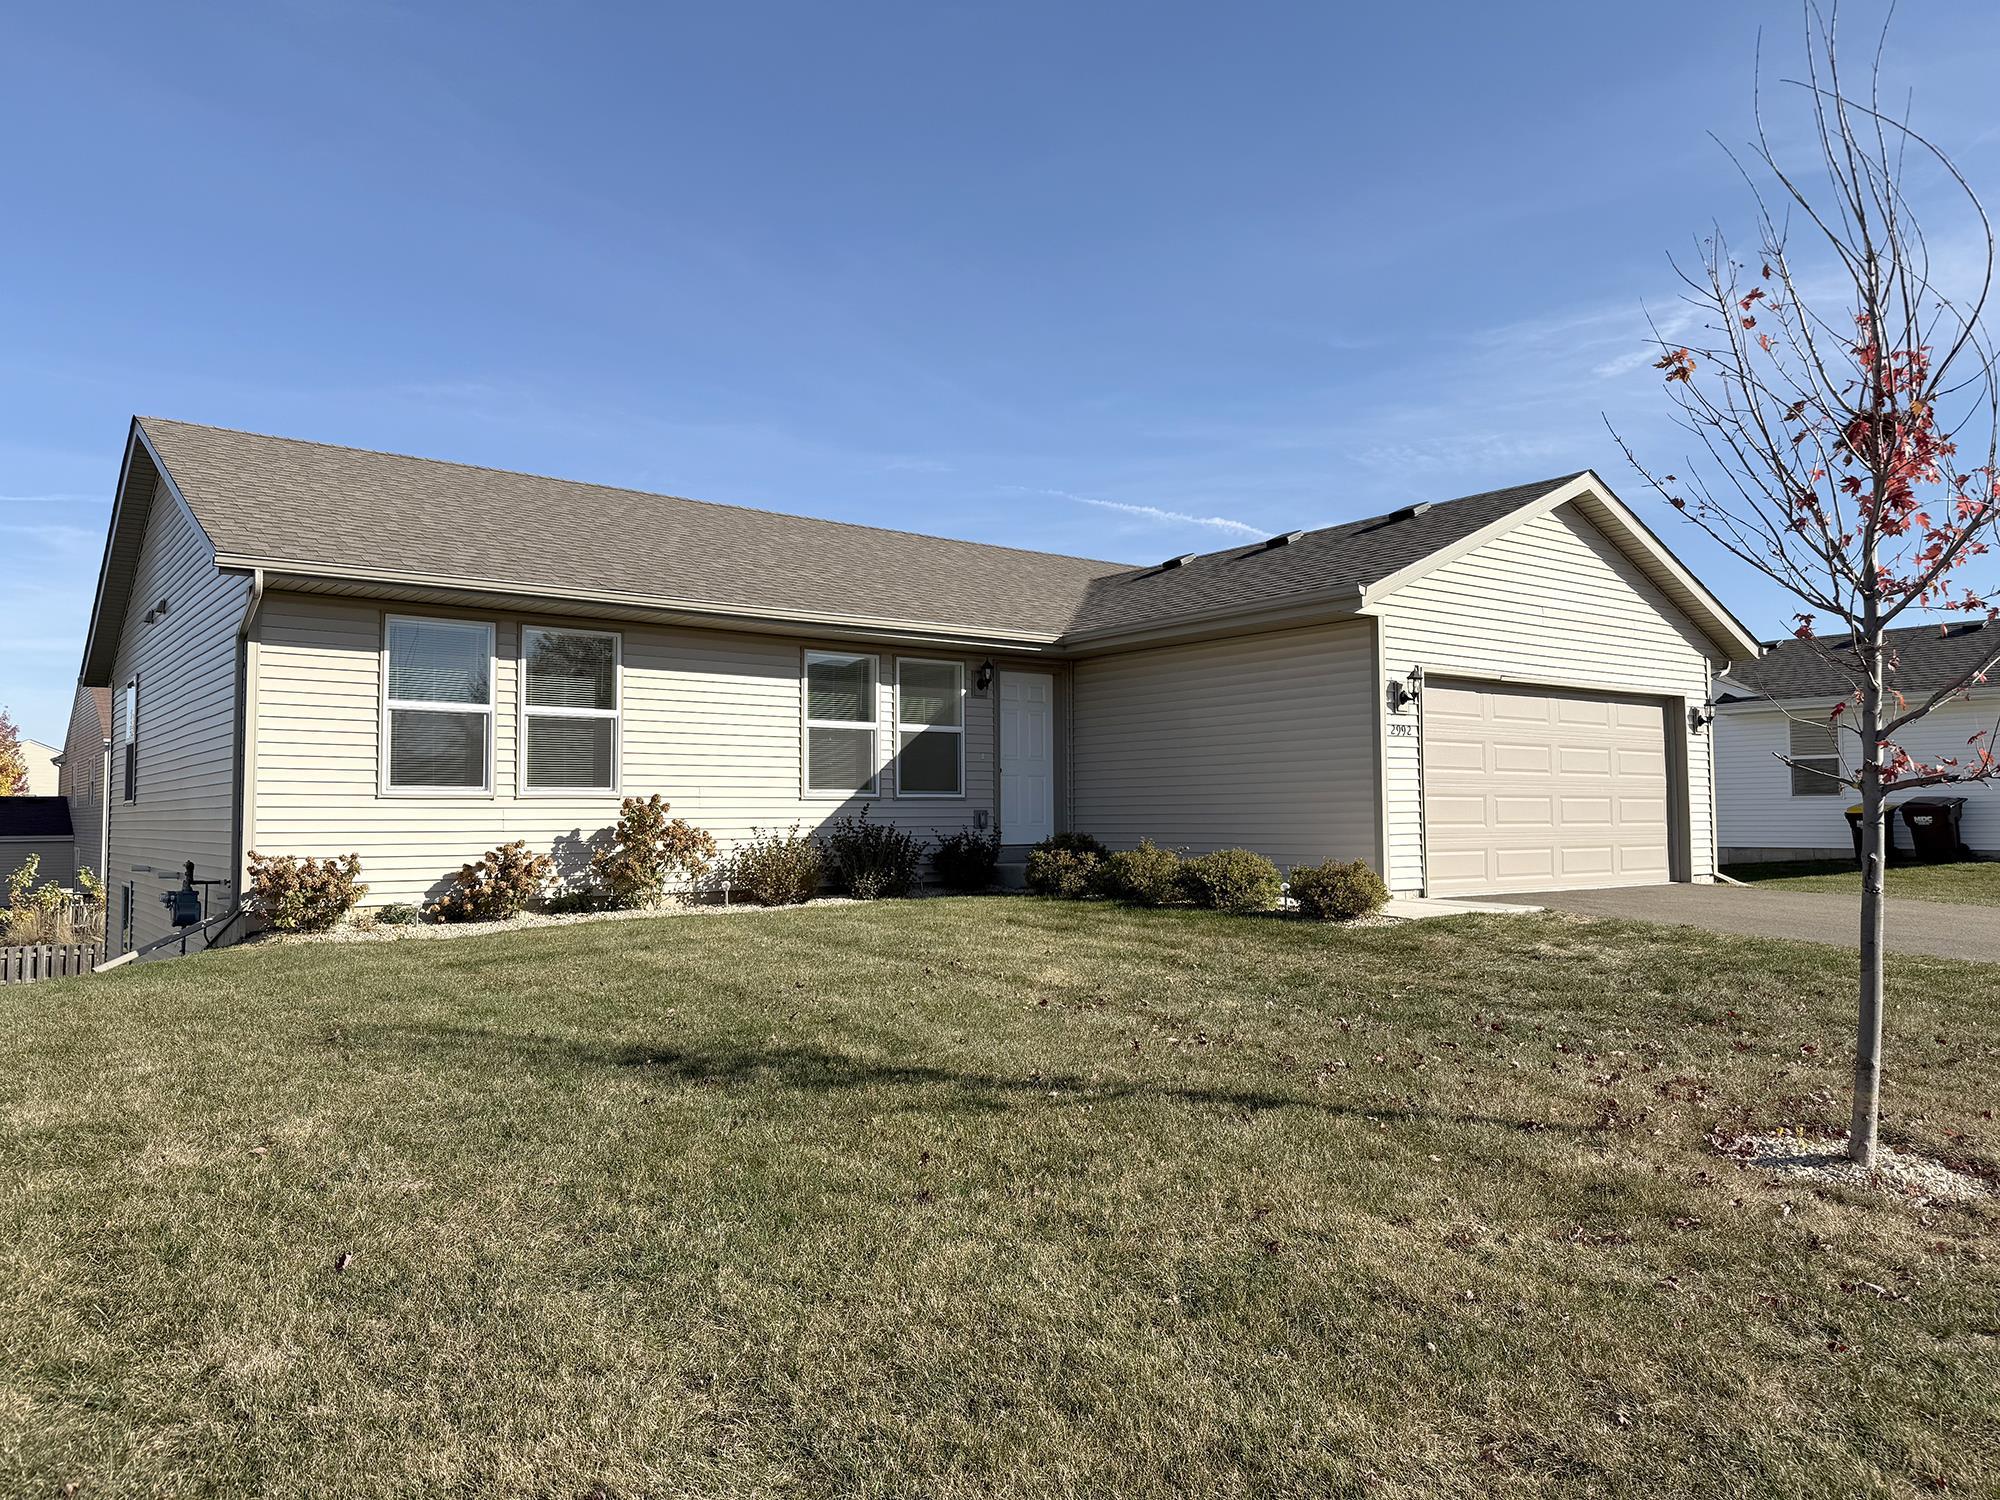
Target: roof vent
{"type": "Point", "coordinates": [1178, 562]}
{"type": "Point", "coordinates": [1411, 512]}
{"type": "Point", "coordinates": [1283, 539]}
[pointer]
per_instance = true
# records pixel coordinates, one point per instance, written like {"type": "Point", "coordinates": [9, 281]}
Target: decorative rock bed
{"type": "Point", "coordinates": [1824, 1161]}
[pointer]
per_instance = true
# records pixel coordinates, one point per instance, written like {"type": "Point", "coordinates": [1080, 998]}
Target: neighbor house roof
{"type": "Point", "coordinates": [34, 818]}
{"type": "Point", "coordinates": [310, 515]}
{"type": "Point", "coordinates": [1924, 658]}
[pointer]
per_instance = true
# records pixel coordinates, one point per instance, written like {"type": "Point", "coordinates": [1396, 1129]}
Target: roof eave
{"type": "Point", "coordinates": [291, 576]}
{"type": "Point", "coordinates": [1297, 610]}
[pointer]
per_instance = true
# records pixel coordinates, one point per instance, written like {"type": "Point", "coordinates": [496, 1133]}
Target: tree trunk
{"type": "Point", "coordinates": [1874, 851]}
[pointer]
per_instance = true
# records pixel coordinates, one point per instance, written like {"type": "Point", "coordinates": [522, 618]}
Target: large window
{"type": "Point", "coordinates": [569, 710]}
{"type": "Point", "coordinates": [841, 714]}
{"type": "Point", "coordinates": [437, 706]}
{"type": "Point", "coordinates": [1815, 750]}
{"type": "Point", "coordinates": [930, 728]}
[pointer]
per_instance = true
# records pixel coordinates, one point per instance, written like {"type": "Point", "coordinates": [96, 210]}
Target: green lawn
{"type": "Point", "coordinates": [986, 1197]}
{"type": "Point", "coordinates": [1969, 884]}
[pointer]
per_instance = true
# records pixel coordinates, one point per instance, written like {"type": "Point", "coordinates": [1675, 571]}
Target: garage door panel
{"type": "Point", "coordinates": [1528, 787]}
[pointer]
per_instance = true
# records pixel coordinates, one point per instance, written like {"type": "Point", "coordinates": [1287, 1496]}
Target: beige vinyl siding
{"type": "Point", "coordinates": [1759, 815]}
{"type": "Point", "coordinates": [186, 664]}
{"type": "Point", "coordinates": [1554, 602]}
{"type": "Point", "coordinates": [711, 721]}
{"type": "Point", "coordinates": [1265, 741]}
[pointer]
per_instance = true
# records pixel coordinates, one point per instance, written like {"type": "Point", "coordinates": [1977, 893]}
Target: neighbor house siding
{"type": "Point", "coordinates": [1265, 742]}
{"type": "Point", "coordinates": [82, 781]}
{"type": "Point", "coordinates": [185, 661]}
{"type": "Point", "coordinates": [56, 860]}
{"type": "Point", "coordinates": [711, 722]}
{"type": "Point", "coordinates": [1760, 818]}
{"type": "Point", "coordinates": [1551, 601]}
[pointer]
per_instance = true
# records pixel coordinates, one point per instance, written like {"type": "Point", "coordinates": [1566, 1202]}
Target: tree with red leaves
{"type": "Point", "coordinates": [1847, 416]}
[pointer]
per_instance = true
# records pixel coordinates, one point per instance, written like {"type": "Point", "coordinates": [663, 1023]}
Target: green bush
{"type": "Point", "coordinates": [1074, 843]}
{"type": "Point", "coordinates": [399, 914]}
{"type": "Point", "coordinates": [303, 895]}
{"type": "Point", "coordinates": [1232, 880]}
{"type": "Point", "coordinates": [648, 851]}
{"type": "Point", "coordinates": [772, 868]}
{"type": "Point", "coordinates": [966, 860]}
{"type": "Point", "coordinates": [1145, 876]}
{"type": "Point", "coordinates": [1070, 874]}
{"type": "Point", "coordinates": [501, 883]}
{"type": "Point", "coordinates": [870, 860]}
{"type": "Point", "coordinates": [1338, 891]}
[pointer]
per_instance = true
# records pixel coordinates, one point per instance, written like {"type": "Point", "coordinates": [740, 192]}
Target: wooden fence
{"type": "Point", "coordinates": [26, 962]}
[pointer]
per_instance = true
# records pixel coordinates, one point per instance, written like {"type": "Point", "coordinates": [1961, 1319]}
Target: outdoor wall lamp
{"type": "Point", "coordinates": [983, 678]}
{"type": "Point", "coordinates": [1405, 691]}
{"type": "Point", "coordinates": [1700, 716]}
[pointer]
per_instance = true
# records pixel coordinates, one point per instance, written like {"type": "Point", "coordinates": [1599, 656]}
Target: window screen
{"type": "Point", "coordinates": [439, 706]}
{"type": "Point", "coordinates": [570, 708]}
{"type": "Point", "coordinates": [1815, 751]}
{"type": "Point", "coordinates": [930, 728]}
{"type": "Point", "coordinates": [841, 716]}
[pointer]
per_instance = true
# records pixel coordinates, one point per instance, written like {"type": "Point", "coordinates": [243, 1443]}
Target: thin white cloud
{"type": "Point", "coordinates": [1154, 513]}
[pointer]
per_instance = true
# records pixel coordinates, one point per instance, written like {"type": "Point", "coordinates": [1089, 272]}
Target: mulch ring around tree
{"type": "Point", "coordinates": [1822, 1161]}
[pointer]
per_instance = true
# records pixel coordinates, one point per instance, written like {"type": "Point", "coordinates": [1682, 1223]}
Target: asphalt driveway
{"type": "Point", "coordinates": [1971, 932]}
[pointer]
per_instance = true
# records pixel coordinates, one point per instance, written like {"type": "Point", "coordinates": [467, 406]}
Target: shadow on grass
{"type": "Point", "coordinates": [816, 1070]}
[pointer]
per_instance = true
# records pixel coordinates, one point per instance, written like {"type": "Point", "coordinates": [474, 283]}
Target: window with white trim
{"type": "Point", "coordinates": [842, 710]}
{"type": "Point", "coordinates": [437, 706]}
{"type": "Point", "coordinates": [1815, 749]}
{"type": "Point", "coordinates": [569, 710]}
{"type": "Point", "coordinates": [930, 728]}
{"type": "Point", "coordinates": [132, 740]}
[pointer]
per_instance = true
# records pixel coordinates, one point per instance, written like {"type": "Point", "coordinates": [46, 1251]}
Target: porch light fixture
{"type": "Point", "coordinates": [1405, 691]}
{"type": "Point", "coordinates": [1700, 716]}
{"type": "Point", "coordinates": [982, 679]}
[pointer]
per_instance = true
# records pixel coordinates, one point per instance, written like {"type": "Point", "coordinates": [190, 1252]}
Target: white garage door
{"type": "Point", "coordinates": [1526, 789]}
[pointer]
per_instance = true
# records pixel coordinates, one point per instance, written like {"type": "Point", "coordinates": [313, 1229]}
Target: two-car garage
{"type": "Point", "coordinates": [1536, 789]}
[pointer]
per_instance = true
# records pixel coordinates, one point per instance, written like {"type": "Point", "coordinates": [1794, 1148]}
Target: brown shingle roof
{"type": "Point", "coordinates": [280, 501]}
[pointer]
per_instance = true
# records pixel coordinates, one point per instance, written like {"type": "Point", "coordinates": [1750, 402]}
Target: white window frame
{"type": "Point", "coordinates": [808, 724]}
{"type": "Point", "coordinates": [128, 769]}
{"type": "Point", "coordinates": [384, 786]}
{"type": "Point", "coordinates": [526, 711]}
{"type": "Point", "coordinates": [1810, 764]}
{"type": "Point", "coordinates": [902, 729]}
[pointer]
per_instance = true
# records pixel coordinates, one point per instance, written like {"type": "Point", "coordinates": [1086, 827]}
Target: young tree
{"type": "Point", "coordinates": [13, 767]}
{"type": "Point", "coordinates": [1847, 425]}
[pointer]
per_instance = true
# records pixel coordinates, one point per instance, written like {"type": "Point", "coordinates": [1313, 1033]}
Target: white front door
{"type": "Point", "coordinates": [1027, 757]}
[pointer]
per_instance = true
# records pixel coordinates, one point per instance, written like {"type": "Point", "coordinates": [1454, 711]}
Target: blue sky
{"type": "Point", "coordinates": [1122, 280]}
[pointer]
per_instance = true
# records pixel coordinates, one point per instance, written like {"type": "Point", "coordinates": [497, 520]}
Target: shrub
{"type": "Point", "coordinates": [775, 869]}
{"type": "Point", "coordinates": [501, 883]}
{"type": "Point", "coordinates": [1145, 876]}
{"type": "Point", "coordinates": [1069, 874]}
{"type": "Point", "coordinates": [1074, 843]}
{"type": "Point", "coordinates": [868, 860]}
{"type": "Point", "coordinates": [1232, 880]}
{"type": "Point", "coordinates": [304, 895]}
{"type": "Point", "coordinates": [398, 914]}
{"type": "Point", "coordinates": [966, 860]}
{"type": "Point", "coordinates": [1338, 891]}
{"type": "Point", "coordinates": [23, 880]}
{"type": "Point", "coordinates": [648, 851]}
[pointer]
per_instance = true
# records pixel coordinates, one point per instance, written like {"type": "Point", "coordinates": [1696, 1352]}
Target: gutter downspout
{"type": "Point", "coordinates": [245, 769]}
{"type": "Point", "coordinates": [104, 822]}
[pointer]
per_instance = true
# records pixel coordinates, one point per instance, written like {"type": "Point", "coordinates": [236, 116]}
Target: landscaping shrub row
{"type": "Point", "coordinates": [646, 856]}
{"type": "Point", "coordinates": [1076, 866]}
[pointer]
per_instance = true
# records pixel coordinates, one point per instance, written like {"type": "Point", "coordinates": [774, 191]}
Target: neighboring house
{"type": "Point", "coordinates": [36, 826]}
{"type": "Point", "coordinates": [41, 761]}
{"type": "Point", "coordinates": [1779, 704]}
{"type": "Point", "coordinates": [317, 650]}
{"type": "Point", "coordinates": [82, 767]}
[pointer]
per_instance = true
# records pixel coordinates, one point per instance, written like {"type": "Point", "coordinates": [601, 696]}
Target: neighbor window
{"type": "Point", "coordinates": [437, 706]}
{"type": "Point", "coordinates": [1815, 748]}
{"type": "Point", "coordinates": [930, 728]}
{"type": "Point", "coordinates": [132, 740]}
{"type": "Point", "coordinates": [569, 710]}
{"type": "Point", "coordinates": [841, 715]}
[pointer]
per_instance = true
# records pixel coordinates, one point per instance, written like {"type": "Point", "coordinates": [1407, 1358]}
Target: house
{"type": "Point", "coordinates": [317, 650]}
{"type": "Point", "coordinates": [37, 827]}
{"type": "Point", "coordinates": [1779, 704]}
{"type": "Point", "coordinates": [40, 760]}
{"type": "Point", "coordinates": [82, 770]}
